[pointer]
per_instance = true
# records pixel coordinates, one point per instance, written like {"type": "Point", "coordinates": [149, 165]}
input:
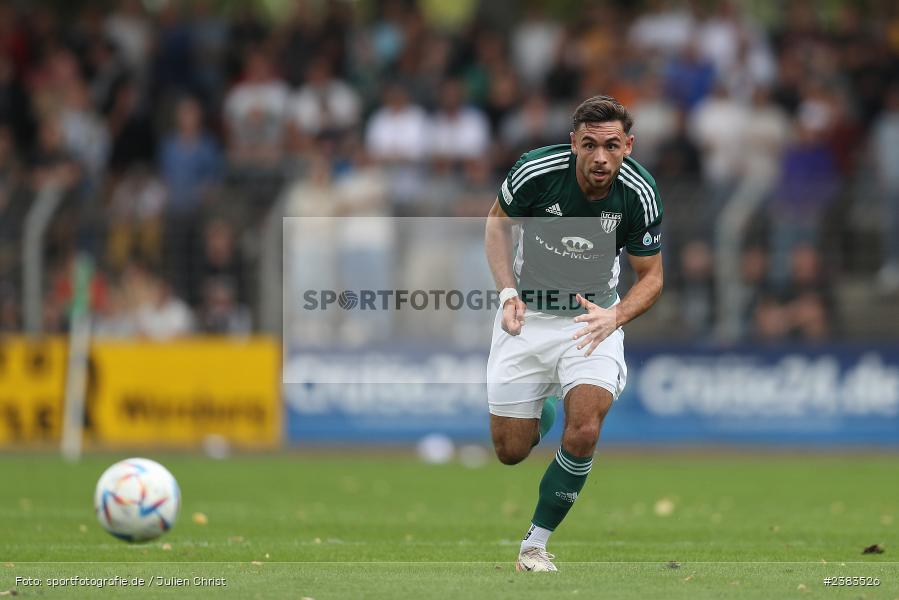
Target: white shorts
{"type": "Point", "coordinates": [543, 360]}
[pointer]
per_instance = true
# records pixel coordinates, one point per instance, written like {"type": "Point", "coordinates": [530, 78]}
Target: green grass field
{"type": "Point", "coordinates": [380, 526]}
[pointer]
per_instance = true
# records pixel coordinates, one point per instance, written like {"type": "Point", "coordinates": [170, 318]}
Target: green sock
{"type": "Point", "coordinates": [548, 416]}
{"type": "Point", "coordinates": [564, 478]}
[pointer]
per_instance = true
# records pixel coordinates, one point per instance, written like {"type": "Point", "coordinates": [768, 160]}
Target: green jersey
{"type": "Point", "coordinates": [569, 244]}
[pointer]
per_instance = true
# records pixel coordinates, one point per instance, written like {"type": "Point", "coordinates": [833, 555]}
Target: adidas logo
{"type": "Point", "coordinates": [555, 209]}
{"type": "Point", "coordinates": [567, 496]}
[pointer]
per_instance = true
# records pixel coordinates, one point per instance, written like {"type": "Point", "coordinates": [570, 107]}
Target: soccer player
{"type": "Point", "coordinates": [558, 330]}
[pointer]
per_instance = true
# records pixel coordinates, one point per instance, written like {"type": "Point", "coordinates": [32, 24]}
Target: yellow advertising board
{"type": "Point", "coordinates": [177, 393]}
{"type": "Point", "coordinates": [145, 394]}
{"type": "Point", "coordinates": [32, 384]}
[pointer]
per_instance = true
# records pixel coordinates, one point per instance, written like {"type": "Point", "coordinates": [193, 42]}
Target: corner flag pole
{"type": "Point", "coordinates": [76, 372]}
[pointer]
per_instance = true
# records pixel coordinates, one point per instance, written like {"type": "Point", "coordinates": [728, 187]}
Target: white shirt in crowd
{"type": "Point", "coordinates": [397, 134]}
{"type": "Point", "coordinates": [462, 135]}
{"type": "Point", "coordinates": [255, 112]}
{"type": "Point", "coordinates": [333, 105]}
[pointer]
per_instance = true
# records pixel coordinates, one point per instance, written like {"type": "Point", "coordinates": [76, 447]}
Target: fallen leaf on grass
{"type": "Point", "coordinates": [801, 587]}
{"type": "Point", "coordinates": [875, 549]}
{"type": "Point", "coordinates": [167, 547]}
{"type": "Point", "coordinates": [9, 593]}
{"type": "Point", "coordinates": [200, 519]}
{"type": "Point", "coordinates": [663, 507]}
{"type": "Point", "coordinates": [256, 563]}
{"type": "Point", "coordinates": [673, 564]}
{"type": "Point", "coordinates": [688, 578]}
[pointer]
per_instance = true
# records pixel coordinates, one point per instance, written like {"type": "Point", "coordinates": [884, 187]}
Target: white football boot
{"type": "Point", "coordinates": [535, 559]}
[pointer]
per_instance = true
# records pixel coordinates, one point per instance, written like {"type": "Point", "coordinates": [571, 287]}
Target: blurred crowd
{"type": "Point", "coordinates": [174, 129]}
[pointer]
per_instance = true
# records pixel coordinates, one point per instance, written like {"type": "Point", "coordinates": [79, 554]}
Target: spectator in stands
{"type": "Point", "coordinates": [807, 187]}
{"type": "Point", "coordinates": [689, 77]}
{"type": "Point", "coordinates": [396, 132]}
{"type": "Point", "coordinates": [132, 32]}
{"type": "Point", "coordinates": [255, 113]}
{"type": "Point", "coordinates": [156, 312]}
{"type": "Point", "coordinates": [536, 123]}
{"type": "Point", "coordinates": [60, 295]}
{"type": "Point", "coordinates": [718, 126]}
{"type": "Point", "coordinates": [655, 121]}
{"type": "Point", "coordinates": [220, 313]}
{"type": "Point", "coordinates": [14, 202]}
{"type": "Point", "coordinates": [696, 296]}
{"type": "Point", "coordinates": [173, 57]}
{"type": "Point", "coordinates": [190, 159]}
{"type": "Point", "coordinates": [665, 27]}
{"type": "Point", "coordinates": [809, 296]}
{"type": "Point", "coordinates": [459, 131]}
{"type": "Point", "coordinates": [563, 78]}
{"type": "Point", "coordinates": [678, 155]}
{"type": "Point", "coordinates": [533, 44]}
{"type": "Point", "coordinates": [324, 104]}
{"type": "Point", "coordinates": [131, 127]}
{"type": "Point", "coordinates": [85, 134]}
{"type": "Point", "coordinates": [217, 258]}
{"type": "Point", "coordinates": [15, 109]}
{"type": "Point", "coordinates": [754, 278]}
{"type": "Point", "coordinates": [503, 97]}
{"type": "Point", "coordinates": [107, 72]}
{"type": "Point", "coordinates": [114, 319]}
{"type": "Point", "coordinates": [210, 40]}
{"type": "Point", "coordinates": [52, 163]}
{"type": "Point", "coordinates": [885, 153]}
{"type": "Point", "coordinates": [767, 134]}
{"type": "Point", "coordinates": [135, 215]}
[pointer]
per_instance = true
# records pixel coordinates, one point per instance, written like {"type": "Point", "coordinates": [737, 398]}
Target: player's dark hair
{"type": "Point", "coordinates": [601, 109]}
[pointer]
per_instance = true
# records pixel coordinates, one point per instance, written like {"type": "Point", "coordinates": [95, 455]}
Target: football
{"type": "Point", "coordinates": [137, 500]}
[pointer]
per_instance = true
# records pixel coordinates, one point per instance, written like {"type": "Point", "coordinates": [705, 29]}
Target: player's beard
{"type": "Point", "coordinates": [598, 186]}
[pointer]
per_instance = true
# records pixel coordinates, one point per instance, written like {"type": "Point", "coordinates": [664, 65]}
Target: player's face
{"type": "Point", "coordinates": [600, 149]}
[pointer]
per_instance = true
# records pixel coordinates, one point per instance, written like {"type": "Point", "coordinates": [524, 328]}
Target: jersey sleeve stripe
{"type": "Point", "coordinates": [640, 193]}
{"type": "Point", "coordinates": [561, 167]}
{"type": "Point", "coordinates": [507, 195]}
{"type": "Point", "coordinates": [637, 180]}
{"type": "Point", "coordinates": [538, 163]}
{"type": "Point", "coordinates": [640, 180]}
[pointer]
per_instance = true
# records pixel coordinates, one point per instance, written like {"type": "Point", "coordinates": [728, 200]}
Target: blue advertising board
{"type": "Point", "coordinates": [835, 395]}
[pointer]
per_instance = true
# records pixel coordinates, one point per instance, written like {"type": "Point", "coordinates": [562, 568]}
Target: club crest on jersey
{"type": "Point", "coordinates": [609, 221]}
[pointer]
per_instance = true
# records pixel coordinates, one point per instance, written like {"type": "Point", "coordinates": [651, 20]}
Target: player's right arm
{"type": "Point", "coordinates": [498, 242]}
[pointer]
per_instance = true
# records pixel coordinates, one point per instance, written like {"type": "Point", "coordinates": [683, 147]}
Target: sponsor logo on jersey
{"type": "Point", "coordinates": [565, 251]}
{"type": "Point", "coordinates": [647, 239]}
{"type": "Point", "coordinates": [577, 244]}
{"type": "Point", "coordinates": [555, 209]}
{"type": "Point", "coordinates": [609, 221]}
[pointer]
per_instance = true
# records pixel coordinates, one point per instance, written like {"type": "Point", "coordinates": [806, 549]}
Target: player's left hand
{"type": "Point", "coordinates": [601, 322]}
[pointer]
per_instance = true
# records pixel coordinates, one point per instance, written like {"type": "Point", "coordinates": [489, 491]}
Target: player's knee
{"type": "Point", "coordinates": [581, 438]}
{"type": "Point", "coordinates": [511, 453]}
